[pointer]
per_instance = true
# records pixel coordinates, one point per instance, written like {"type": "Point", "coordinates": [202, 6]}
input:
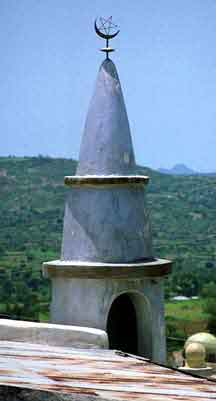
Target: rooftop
{"type": "Point", "coordinates": [105, 374]}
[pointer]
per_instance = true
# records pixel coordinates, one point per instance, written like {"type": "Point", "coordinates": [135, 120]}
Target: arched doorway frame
{"type": "Point", "coordinates": [143, 317]}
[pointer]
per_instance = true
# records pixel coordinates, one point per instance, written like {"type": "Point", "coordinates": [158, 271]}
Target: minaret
{"type": "Point", "coordinates": [108, 277]}
{"type": "Point", "coordinates": [107, 147]}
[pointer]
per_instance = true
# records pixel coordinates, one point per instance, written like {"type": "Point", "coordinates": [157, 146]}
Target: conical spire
{"type": "Point", "coordinates": [106, 146]}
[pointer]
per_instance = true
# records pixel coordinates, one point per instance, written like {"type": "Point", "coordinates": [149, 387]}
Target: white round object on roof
{"type": "Point", "coordinates": [208, 341]}
{"type": "Point", "coordinates": [195, 355]}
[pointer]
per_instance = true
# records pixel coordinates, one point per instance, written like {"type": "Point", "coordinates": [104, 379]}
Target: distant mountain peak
{"type": "Point", "coordinates": [178, 169]}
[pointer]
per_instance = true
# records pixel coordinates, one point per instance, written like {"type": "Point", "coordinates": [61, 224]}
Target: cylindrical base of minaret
{"type": "Point", "coordinates": [124, 300]}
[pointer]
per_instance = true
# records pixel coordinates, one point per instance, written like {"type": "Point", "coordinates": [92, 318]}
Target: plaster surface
{"type": "Point", "coordinates": [53, 334]}
{"type": "Point", "coordinates": [106, 146]}
{"type": "Point", "coordinates": [107, 222]}
{"type": "Point", "coordinates": [88, 302]}
{"type": "Point", "coordinates": [84, 269]}
{"type": "Point", "coordinates": [106, 225]}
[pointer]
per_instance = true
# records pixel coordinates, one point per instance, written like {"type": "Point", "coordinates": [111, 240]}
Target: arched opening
{"type": "Point", "coordinates": [122, 325]}
{"type": "Point", "coordinates": [129, 324]}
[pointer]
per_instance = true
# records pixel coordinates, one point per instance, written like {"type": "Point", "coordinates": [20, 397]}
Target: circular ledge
{"type": "Point", "coordinates": [62, 268]}
{"type": "Point", "coordinates": [105, 180]}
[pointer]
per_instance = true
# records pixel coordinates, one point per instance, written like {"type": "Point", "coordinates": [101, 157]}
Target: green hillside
{"type": "Point", "coordinates": [32, 195]}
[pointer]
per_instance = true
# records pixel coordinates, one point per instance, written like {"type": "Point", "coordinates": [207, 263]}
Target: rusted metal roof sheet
{"type": "Point", "coordinates": [105, 373]}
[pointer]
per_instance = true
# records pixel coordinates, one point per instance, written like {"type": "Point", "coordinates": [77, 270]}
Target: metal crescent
{"type": "Point", "coordinates": [103, 35]}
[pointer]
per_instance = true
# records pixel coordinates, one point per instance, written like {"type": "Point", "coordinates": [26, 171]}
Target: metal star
{"type": "Point", "coordinates": [107, 26]}
{"type": "Point", "coordinates": [107, 30]}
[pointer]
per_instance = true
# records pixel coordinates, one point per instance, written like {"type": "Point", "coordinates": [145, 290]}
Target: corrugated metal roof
{"type": "Point", "coordinates": [105, 373]}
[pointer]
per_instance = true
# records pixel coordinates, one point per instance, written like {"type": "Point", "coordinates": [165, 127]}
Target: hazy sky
{"type": "Point", "coordinates": [166, 59]}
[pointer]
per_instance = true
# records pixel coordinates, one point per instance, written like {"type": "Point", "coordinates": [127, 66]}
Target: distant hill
{"type": "Point", "coordinates": [178, 169]}
{"type": "Point", "coordinates": [32, 194]}
{"type": "Point", "coordinates": [182, 169]}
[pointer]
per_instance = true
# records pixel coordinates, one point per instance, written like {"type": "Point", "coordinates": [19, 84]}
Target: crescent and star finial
{"type": "Point", "coordinates": [106, 30]}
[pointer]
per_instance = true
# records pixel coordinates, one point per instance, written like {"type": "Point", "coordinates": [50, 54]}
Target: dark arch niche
{"type": "Point", "coordinates": [122, 325]}
{"type": "Point", "coordinates": [129, 324]}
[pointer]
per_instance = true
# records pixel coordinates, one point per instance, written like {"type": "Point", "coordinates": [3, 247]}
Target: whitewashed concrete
{"type": "Point", "coordinates": [88, 302]}
{"type": "Point", "coordinates": [52, 334]}
{"type": "Point", "coordinates": [106, 146]}
{"type": "Point", "coordinates": [108, 223]}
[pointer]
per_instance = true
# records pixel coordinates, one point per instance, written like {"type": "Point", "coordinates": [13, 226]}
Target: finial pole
{"type": "Point", "coordinates": [104, 31]}
{"type": "Point", "coordinates": [107, 46]}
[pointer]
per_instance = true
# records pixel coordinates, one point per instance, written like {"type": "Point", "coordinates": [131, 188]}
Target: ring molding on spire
{"type": "Point", "coordinates": [105, 180]}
